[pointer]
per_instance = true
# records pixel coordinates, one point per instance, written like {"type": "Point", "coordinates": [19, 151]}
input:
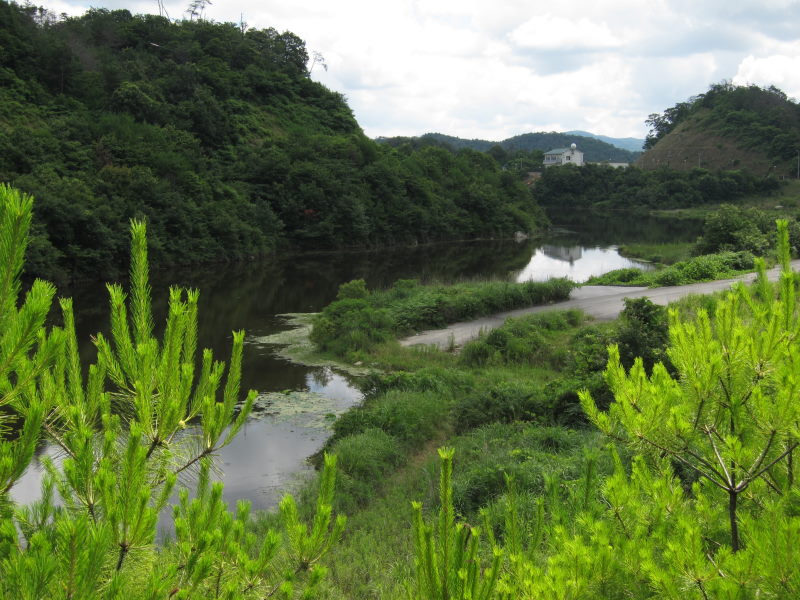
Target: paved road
{"type": "Point", "coordinates": [603, 302]}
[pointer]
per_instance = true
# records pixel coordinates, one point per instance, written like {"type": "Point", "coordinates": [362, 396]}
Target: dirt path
{"type": "Point", "coordinates": [603, 302]}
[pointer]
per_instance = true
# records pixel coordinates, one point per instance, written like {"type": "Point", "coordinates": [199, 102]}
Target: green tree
{"type": "Point", "coordinates": [447, 562]}
{"type": "Point", "coordinates": [644, 333]}
{"type": "Point", "coordinates": [702, 502]}
{"type": "Point", "coordinates": [123, 427]}
{"type": "Point", "coordinates": [729, 421]}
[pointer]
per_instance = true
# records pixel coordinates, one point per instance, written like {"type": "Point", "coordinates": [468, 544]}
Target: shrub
{"type": "Point", "coordinates": [644, 333]}
{"type": "Point", "coordinates": [355, 289]}
{"type": "Point", "coordinates": [669, 276]}
{"type": "Point", "coordinates": [733, 228]}
{"type": "Point", "coordinates": [629, 276]}
{"type": "Point", "coordinates": [350, 324]}
{"type": "Point", "coordinates": [368, 455]}
{"type": "Point", "coordinates": [477, 353]}
{"type": "Point", "coordinates": [503, 403]}
{"type": "Point", "coordinates": [411, 417]}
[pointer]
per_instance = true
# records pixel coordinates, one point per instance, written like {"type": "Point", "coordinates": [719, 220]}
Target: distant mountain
{"type": "Point", "coordinates": [728, 127]}
{"type": "Point", "coordinates": [594, 149]}
{"type": "Point", "coordinates": [628, 143]}
{"type": "Point", "coordinates": [458, 143]}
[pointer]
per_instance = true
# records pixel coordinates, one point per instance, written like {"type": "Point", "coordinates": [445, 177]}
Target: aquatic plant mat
{"type": "Point", "coordinates": [296, 346]}
{"type": "Point", "coordinates": [305, 409]}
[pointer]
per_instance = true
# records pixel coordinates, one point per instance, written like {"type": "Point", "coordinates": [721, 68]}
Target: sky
{"type": "Point", "coordinates": [495, 69]}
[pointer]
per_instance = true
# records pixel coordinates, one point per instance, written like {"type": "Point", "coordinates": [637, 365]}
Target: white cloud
{"type": "Point", "coordinates": [779, 70]}
{"type": "Point", "coordinates": [556, 34]}
{"type": "Point", "coordinates": [495, 69]}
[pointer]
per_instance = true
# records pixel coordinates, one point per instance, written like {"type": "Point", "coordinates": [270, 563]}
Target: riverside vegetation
{"type": "Point", "coordinates": [687, 489]}
{"type": "Point", "coordinates": [732, 237]}
{"type": "Point", "coordinates": [690, 493]}
{"type": "Point", "coordinates": [671, 475]}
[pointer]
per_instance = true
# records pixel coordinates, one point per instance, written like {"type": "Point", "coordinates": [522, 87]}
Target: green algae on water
{"type": "Point", "coordinates": [306, 409]}
{"type": "Point", "coordinates": [297, 347]}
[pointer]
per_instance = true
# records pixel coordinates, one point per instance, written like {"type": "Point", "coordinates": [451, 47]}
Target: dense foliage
{"type": "Point", "coordinates": [597, 186]}
{"type": "Point", "coordinates": [760, 118]}
{"type": "Point", "coordinates": [738, 229]}
{"type": "Point", "coordinates": [146, 412]}
{"type": "Point", "coordinates": [216, 136]}
{"type": "Point", "coordinates": [360, 319]}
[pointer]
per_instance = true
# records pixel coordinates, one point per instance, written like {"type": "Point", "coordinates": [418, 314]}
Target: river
{"type": "Point", "coordinates": [297, 403]}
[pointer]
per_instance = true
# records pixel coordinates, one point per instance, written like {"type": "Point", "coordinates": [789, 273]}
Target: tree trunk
{"type": "Point", "coordinates": [733, 496]}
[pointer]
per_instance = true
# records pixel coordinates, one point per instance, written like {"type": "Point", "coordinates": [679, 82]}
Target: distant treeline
{"type": "Point", "coordinates": [216, 135]}
{"type": "Point", "coordinates": [600, 186]}
{"type": "Point", "coordinates": [594, 150]}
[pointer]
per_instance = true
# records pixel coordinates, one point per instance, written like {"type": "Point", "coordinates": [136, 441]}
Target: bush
{"type": "Point", "coordinates": [503, 403]}
{"type": "Point", "coordinates": [732, 228]}
{"type": "Point", "coordinates": [478, 353]}
{"type": "Point", "coordinates": [352, 290]}
{"type": "Point", "coordinates": [365, 460]}
{"type": "Point", "coordinates": [350, 325]}
{"type": "Point", "coordinates": [411, 417]}
{"type": "Point", "coordinates": [368, 455]}
{"type": "Point", "coordinates": [644, 333]}
{"type": "Point", "coordinates": [669, 276]}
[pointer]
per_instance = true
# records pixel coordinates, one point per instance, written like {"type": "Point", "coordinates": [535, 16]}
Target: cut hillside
{"type": "Point", "coordinates": [729, 127]}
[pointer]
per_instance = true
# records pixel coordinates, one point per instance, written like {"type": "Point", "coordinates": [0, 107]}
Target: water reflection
{"type": "Point", "coordinates": [576, 263]}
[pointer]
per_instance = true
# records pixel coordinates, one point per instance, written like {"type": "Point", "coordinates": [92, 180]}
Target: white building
{"type": "Point", "coordinates": [564, 156]}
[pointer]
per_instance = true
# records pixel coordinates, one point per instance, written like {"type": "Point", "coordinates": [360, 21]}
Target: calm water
{"type": "Point", "coordinates": [271, 451]}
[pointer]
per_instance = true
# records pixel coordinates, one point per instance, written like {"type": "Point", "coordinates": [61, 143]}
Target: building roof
{"type": "Point", "coordinates": [558, 151]}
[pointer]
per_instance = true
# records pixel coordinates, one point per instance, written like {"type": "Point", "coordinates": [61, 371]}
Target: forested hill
{"type": "Point", "coordinates": [627, 143]}
{"type": "Point", "coordinates": [594, 150]}
{"type": "Point", "coordinates": [220, 139]}
{"type": "Point", "coordinates": [728, 127]}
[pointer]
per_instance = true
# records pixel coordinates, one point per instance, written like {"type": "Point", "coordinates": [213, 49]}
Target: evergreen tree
{"type": "Point", "coordinates": [123, 433]}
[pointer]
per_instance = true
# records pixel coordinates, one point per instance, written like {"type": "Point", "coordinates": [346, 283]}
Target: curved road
{"type": "Point", "coordinates": [603, 302]}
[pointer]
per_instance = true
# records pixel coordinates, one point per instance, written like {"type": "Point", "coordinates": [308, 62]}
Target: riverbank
{"type": "Point", "coordinates": [780, 204]}
{"type": "Point", "coordinates": [600, 302]}
{"type": "Point", "coordinates": [509, 415]}
{"type": "Point", "coordinates": [508, 405]}
{"type": "Point", "coordinates": [528, 466]}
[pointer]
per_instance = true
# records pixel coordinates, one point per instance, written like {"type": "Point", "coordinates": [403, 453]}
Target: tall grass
{"type": "Point", "coordinates": [359, 319]}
